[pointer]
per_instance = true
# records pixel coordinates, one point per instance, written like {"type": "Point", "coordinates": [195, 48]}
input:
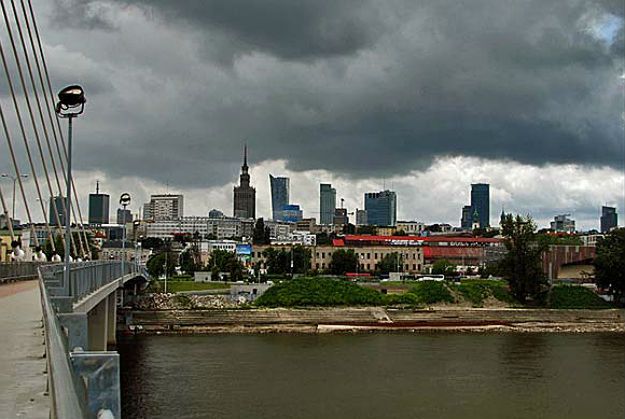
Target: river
{"type": "Point", "coordinates": [433, 375]}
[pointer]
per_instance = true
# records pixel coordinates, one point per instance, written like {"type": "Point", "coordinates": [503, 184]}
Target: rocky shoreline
{"type": "Point", "coordinates": [371, 319]}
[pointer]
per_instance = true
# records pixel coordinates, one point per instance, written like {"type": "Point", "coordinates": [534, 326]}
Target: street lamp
{"type": "Point", "coordinates": [71, 104]}
{"type": "Point", "coordinates": [124, 201]}
{"type": "Point", "coordinates": [14, 179]}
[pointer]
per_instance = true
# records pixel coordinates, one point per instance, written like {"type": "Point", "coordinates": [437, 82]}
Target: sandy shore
{"type": "Point", "coordinates": [372, 319]}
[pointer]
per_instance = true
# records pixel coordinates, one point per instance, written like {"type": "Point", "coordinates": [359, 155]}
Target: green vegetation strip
{"type": "Point", "coordinates": [178, 286]}
{"type": "Point", "coordinates": [476, 291]}
{"type": "Point", "coordinates": [570, 296]}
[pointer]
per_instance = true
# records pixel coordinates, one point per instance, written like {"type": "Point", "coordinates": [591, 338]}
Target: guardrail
{"type": "Point", "coordinates": [15, 271]}
{"type": "Point", "coordinates": [82, 384]}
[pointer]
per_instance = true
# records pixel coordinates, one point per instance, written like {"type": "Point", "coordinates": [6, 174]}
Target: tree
{"type": "Point", "coordinates": [187, 262]}
{"type": "Point", "coordinates": [261, 234]}
{"type": "Point", "coordinates": [158, 263]}
{"type": "Point", "coordinates": [389, 263]}
{"type": "Point", "coordinates": [444, 267]}
{"type": "Point", "coordinates": [610, 263]}
{"type": "Point", "coordinates": [343, 261]}
{"type": "Point", "coordinates": [521, 266]}
{"type": "Point", "coordinates": [279, 260]}
{"type": "Point", "coordinates": [323, 239]}
{"type": "Point", "coordinates": [225, 261]}
{"type": "Point", "coordinates": [349, 228]}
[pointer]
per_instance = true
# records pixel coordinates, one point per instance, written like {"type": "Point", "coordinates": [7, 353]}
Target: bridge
{"type": "Point", "coordinates": [79, 327]}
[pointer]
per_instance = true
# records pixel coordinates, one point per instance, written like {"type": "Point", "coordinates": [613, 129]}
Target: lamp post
{"type": "Point", "coordinates": [14, 179]}
{"type": "Point", "coordinates": [71, 104]}
{"type": "Point", "coordinates": [124, 201]}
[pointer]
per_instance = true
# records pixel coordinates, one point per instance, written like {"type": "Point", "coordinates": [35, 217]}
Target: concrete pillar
{"type": "Point", "coordinates": [112, 319]}
{"type": "Point", "coordinates": [98, 325]}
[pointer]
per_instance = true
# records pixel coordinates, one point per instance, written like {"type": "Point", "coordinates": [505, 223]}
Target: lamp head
{"type": "Point", "coordinates": [71, 101]}
{"type": "Point", "coordinates": [124, 199]}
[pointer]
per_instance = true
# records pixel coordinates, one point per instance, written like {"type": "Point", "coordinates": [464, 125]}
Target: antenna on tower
{"type": "Point", "coordinates": [245, 154]}
{"type": "Point", "coordinates": [97, 187]}
{"type": "Point", "coordinates": [342, 201]}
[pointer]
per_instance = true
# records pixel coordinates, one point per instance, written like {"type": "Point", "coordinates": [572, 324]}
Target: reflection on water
{"type": "Point", "coordinates": [436, 375]}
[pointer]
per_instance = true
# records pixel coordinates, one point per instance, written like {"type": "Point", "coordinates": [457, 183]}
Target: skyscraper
{"type": "Point", "coordinates": [327, 203]}
{"type": "Point", "coordinates": [56, 202]}
{"type": "Point", "coordinates": [98, 207]}
{"type": "Point", "coordinates": [124, 216]}
{"type": "Point", "coordinates": [279, 195]}
{"type": "Point", "coordinates": [609, 219]}
{"type": "Point", "coordinates": [467, 218]}
{"type": "Point", "coordinates": [244, 194]}
{"type": "Point", "coordinates": [381, 208]}
{"type": "Point", "coordinates": [480, 203]}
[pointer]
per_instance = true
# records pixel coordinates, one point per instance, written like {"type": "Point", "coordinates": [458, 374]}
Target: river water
{"type": "Point", "coordinates": [437, 375]}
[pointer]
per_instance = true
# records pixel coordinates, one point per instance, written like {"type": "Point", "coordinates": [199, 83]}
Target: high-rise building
{"type": "Point", "coordinates": [279, 195]}
{"type": "Point", "coordinates": [292, 213]}
{"type": "Point", "coordinates": [340, 216]}
{"type": "Point", "coordinates": [56, 202]}
{"type": "Point", "coordinates": [467, 217]}
{"type": "Point", "coordinates": [609, 219]}
{"type": "Point", "coordinates": [361, 217]}
{"type": "Point", "coordinates": [480, 203]}
{"type": "Point", "coordinates": [163, 208]}
{"type": "Point", "coordinates": [124, 216]}
{"type": "Point", "coordinates": [98, 207]}
{"type": "Point", "coordinates": [563, 224]}
{"type": "Point", "coordinates": [244, 194]}
{"type": "Point", "coordinates": [381, 208]}
{"type": "Point", "coordinates": [327, 203]}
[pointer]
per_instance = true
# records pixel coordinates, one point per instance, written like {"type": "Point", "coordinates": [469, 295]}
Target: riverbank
{"type": "Point", "coordinates": [371, 319]}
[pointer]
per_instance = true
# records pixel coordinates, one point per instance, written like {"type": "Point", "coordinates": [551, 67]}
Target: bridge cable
{"type": "Point", "coordinates": [32, 118]}
{"type": "Point", "coordinates": [8, 219]}
{"type": "Point", "coordinates": [43, 126]}
{"type": "Point", "coordinates": [49, 104]}
{"type": "Point", "coordinates": [18, 175]}
{"type": "Point", "coordinates": [24, 137]}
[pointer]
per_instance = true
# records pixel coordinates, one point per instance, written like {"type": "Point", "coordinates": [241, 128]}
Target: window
{"type": "Point", "coordinates": [323, 255]}
{"type": "Point", "coordinates": [375, 255]}
{"type": "Point", "coordinates": [414, 267]}
{"type": "Point", "coordinates": [368, 266]}
{"type": "Point", "coordinates": [368, 255]}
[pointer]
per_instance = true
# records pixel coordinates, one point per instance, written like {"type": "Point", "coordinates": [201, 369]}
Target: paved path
{"type": "Point", "coordinates": [22, 366]}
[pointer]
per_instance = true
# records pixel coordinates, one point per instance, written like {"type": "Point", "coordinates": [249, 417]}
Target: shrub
{"type": "Point", "coordinates": [430, 292]}
{"type": "Point", "coordinates": [570, 296]}
{"type": "Point", "coordinates": [318, 292]}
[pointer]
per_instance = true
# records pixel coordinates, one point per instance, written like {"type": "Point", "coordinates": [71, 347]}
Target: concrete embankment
{"type": "Point", "coordinates": [323, 320]}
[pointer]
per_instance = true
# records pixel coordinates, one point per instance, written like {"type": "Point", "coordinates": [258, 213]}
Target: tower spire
{"type": "Point", "coordinates": [245, 155]}
{"type": "Point", "coordinates": [97, 187]}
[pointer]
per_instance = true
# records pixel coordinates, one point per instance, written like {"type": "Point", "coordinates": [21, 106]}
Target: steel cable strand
{"type": "Point", "coordinates": [43, 126]}
{"type": "Point", "coordinates": [50, 105]}
{"type": "Point", "coordinates": [32, 118]}
{"type": "Point", "coordinates": [26, 145]}
{"type": "Point", "coordinates": [6, 215]}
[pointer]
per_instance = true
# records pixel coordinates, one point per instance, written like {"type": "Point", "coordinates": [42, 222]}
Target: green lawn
{"type": "Point", "coordinates": [571, 296]}
{"type": "Point", "coordinates": [177, 286]}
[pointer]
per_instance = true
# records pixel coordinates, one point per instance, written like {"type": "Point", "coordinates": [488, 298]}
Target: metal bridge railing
{"type": "Point", "coordinates": [82, 384]}
{"type": "Point", "coordinates": [13, 271]}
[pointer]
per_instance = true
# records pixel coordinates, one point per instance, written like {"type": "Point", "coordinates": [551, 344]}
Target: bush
{"type": "Point", "coordinates": [430, 292]}
{"type": "Point", "coordinates": [476, 291]}
{"type": "Point", "coordinates": [406, 299]}
{"type": "Point", "coordinates": [570, 296]}
{"type": "Point", "coordinates": [318, 292]}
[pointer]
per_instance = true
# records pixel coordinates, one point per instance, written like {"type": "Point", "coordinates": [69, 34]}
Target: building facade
{"type": "Point", "coordinates": [563, 224]}
{"type": "Point", "coordinates": [361, 217]}
{"type": "Point", "coordinates": [466, 220]}
{"type": "Point", "coordinates": [163, 208]}
{"type": "Point", "coordinates": [221, 228]}
{"type": "Point", "coordinates": [99, 207]}
{"type": "Point", "coordinates": [280, 188]}
{"type": "Point", "coordinates": [609, 219]}
{"type": "Point", "coordinates": [327, 203]}
{"type": "Point", "coordinates": [292, 213]}
{"type": "Point", "coordinates": [58, 204]}
{"type": "Point", "coordinates": [244, 194]}
{"type": "Point", "coordinates": [412, 228]}
{"type": "Point", "coordinates": [124, 216]}
{"type": "Point", "coordinates": [381, 208]}
{"type": "Point", "coordinates": [480, 203]}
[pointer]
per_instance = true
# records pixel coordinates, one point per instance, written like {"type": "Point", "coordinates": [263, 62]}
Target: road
{"type": "Point", "coordinates": [22, 365]}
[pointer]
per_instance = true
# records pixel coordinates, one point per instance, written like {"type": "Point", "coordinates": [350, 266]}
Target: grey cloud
{"type": "Point", "coordinates": [363, 89]}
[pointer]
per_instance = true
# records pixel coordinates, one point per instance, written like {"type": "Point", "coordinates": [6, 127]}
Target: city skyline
{"type": "Point", "coordinates": [491, 120]}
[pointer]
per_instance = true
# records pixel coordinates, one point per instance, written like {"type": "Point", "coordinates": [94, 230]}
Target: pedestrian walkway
{"type": "Point", "coordinates": [22, 365]}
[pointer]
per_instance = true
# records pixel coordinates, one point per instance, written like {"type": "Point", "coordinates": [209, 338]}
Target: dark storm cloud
{"type": "Point", "coordinates": [354, 87]}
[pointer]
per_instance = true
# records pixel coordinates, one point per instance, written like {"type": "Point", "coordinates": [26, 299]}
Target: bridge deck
{"type": "Point", "coordinates": [22, 378]}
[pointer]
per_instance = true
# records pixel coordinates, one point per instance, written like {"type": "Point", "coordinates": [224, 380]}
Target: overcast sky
{"type": "Point", "coordinates": [424, 97]}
